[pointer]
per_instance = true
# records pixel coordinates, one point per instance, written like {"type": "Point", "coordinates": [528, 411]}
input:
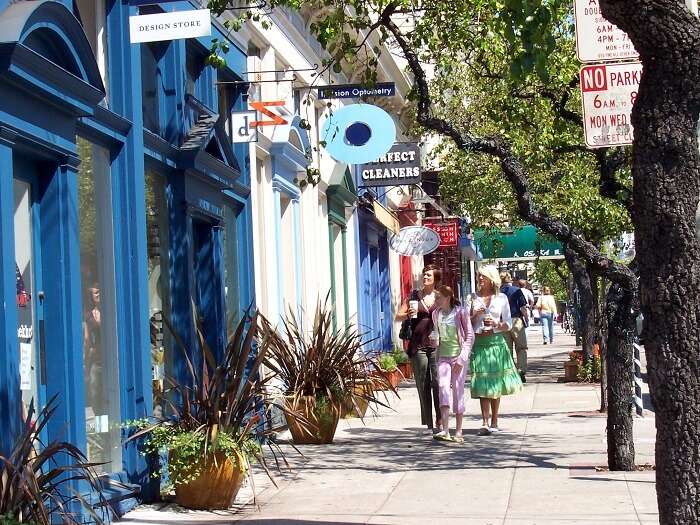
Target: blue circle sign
{"type": "Point", "coordinates": [359, 133]}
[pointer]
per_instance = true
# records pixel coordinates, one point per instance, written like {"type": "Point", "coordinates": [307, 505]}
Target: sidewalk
{"type": "Point", "coordinates": [540, 470]}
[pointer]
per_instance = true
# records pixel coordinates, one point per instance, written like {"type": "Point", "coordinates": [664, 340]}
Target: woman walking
{"type": "Point", "coordinates": [454, 336]}
{"type": "Point", "coordinates": [418, 307]}
{"type": "Point", "coordinates": [493, 371]}
{"type": "Point", "coordinates": [547, 307]}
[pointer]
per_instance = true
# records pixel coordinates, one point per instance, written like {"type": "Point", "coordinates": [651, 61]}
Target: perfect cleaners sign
{"type": "Point", "coordinates": [400, 166]}
{"type": "Point", "coordinates": [170, 26]}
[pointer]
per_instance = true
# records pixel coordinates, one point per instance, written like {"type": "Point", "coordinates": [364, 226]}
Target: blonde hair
{"type": "Point", "coordinates": [491, 273]}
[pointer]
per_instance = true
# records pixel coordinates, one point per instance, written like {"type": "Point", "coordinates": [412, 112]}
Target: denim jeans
{"type": "Point", "coordinates": [548, 327]}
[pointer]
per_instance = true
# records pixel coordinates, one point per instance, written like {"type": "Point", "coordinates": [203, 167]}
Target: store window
{"type": "Point", "coordinates": [151, 80]}
{"type": "Point", "coordinates": [158, 286]}
{"type": "Point", "coordinates": [231, 283]}
{"type": "Point", "coordinates": [100, 352]}
{"type": "Point", "coordinates": [93, 17]}
{"type": "Point", "coordinates": [288, 257]}
{"type": "Point", "coordinates": [338, 273]}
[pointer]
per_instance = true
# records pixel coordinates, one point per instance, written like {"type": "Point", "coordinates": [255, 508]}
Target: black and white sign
{"type": "Point", "coordinates": [400, 166]}
{"type": "Point", "coordinates": [170, 26]}
{"type": "Point", "coordinates": [241, 129]}
{"type": "Point", "coordinates": [415, 240]}
{"type": "Point", "coordinates": [608, 92]}
{"type": "Point", "coordinates": [381, 89]}
{"type": "Point", "coordinates": [597, 40]}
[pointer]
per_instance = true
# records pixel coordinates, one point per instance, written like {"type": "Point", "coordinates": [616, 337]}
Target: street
{"type": "Point", "coordinates": [539, 470]}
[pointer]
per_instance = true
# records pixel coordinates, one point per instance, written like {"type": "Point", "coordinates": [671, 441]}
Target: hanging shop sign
{"type": "Point", "coordinates": [608, 92]}
{"type": "Point", "coordinates": [359, 133]}
{"type": "Point", "coordinates": [447, 231]}
{"type": "Point", "coordinates": [386, 217]}
{"type": "Point", "coordinates": [170, 26]}
{"type": "Point", "coordinates": [262, 107]}
{"type": "Point", "coordinates": [523, 244]}
{"type": "Point", "coordinates": [242, 130]}
{"type": "Point", "coordinates": [381, 89]}
{"type": "Point", "coordinates": [399, 166]}
{"type": "Point", "coordinates": [415, 240]}
{"type": "Point", "coordinates": [597, 40]}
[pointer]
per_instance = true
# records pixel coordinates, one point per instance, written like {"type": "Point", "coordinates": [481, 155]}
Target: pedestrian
{"type": "Point", "coordinates": [493, 373]}
{"type": "Point", "coordinates": [547, 307]}
{"type": "Point", "coordinates": [454, 337]}
{"type": "Point", "coordinates": [516, 337]}
{"type": "Point", "coordinates": [418, 307]}
{"type": "Point", "coordinates": [529, 296]}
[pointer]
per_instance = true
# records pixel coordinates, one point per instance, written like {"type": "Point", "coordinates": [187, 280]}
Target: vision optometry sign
{"type": "Point", "coordinates": [170, 26]}
{"type": "Point", "coordinates": [399, 166]}
{"type": "Point", "coordinates": [382, 89]}
{"type": "Point", "coordinates": [415, 240]}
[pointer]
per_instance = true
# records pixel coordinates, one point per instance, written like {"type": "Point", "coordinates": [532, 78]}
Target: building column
{"type": "Point", "coordinates": [346, 300]}
{"type": "Point", "coordinates": [10, 395]}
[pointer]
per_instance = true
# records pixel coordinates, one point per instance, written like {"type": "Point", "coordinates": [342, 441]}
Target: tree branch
{"type": "Point", "coordinates": [510, 165]}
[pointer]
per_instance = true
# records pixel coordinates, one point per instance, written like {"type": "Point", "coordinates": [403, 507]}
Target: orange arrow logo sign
{"type": "Point", "coordinates": [262, 108]}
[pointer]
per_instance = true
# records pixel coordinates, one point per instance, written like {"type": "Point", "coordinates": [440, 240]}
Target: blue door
{"type": "Point", "coordinates": [30, 312]}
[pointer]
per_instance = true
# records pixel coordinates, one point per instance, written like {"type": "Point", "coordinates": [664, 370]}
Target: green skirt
{"type": "Point", "coordinates": [493, 373]}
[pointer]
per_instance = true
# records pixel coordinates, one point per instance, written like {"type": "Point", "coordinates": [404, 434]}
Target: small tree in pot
{"type": "Point", "coordinates": [319, 371]}
{"type": "Point", "coordinates": [214, 425]}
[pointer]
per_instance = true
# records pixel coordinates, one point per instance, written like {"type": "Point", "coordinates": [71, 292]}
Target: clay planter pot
{"type": "Point", "coordinates": [320, 429]}
{"type": "Point", "coordinates": [348, 410]}
{"type": "Point", "coordinates": [570, 371]}
{"type": "Point", "coordinates": [406, 369]}
{"type": "Point", "coordinates": [394, 378]}
{"type": "Point", "coordinates": [215, 488]}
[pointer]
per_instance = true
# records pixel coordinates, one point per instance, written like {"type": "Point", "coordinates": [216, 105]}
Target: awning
{"type": "Point", "coordinates": [386, 217]}
{"type": "Point", "coordinates": [522, 244]}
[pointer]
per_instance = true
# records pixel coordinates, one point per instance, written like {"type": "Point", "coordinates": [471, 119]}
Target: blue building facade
{"type": "Point", "coordinates": [122, 205]}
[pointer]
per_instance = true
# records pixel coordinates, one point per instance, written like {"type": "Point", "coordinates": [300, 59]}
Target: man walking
{"type": "Point", "coordinates": [529, 297]}
{"type": "Point", "coordinates": [516, 337]}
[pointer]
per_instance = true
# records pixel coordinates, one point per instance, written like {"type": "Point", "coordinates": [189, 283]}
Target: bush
{"type": "Point", "coordinates": [399, 356]}
{"type": "Point", "coordinates": [587, 372]}
{"type": "Point", "coordinates": [387, 363]}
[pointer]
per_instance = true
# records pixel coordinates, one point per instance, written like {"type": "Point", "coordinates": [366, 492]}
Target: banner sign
{"type": "Point", "coordinates": [381, 89]}
{"type": "Point", "coordinates": [275, 119]}
{"type": "Point", "coordinates": [597, 40]}
{"type": "Point", "coordinates": [170, 26]}
{"type": "Point", "coordinates": [400, 166]}
{"type": "Point", "coordinates": [447, 231]}
{"type": "Point", "coordinates": [608, 93]}
{"type": "Point", "coordinates": [414, 240]}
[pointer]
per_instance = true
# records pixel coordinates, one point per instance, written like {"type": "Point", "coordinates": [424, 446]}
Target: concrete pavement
{"type": "Point", "coordinates": [539, 470]}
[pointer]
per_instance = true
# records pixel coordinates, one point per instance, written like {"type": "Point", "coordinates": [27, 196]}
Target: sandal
{"type": "Point", "coordinates": [458, 438]}
{"type": "Point", "coordinates": [484, 430]}
{"type": "Point", "coordinates": [442, 436]}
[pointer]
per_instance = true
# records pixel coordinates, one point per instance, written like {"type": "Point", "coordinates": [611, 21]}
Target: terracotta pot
{"type": "Point", "coordinates": [321, 425]}
{"type": "Point", "coordinates": [406, 369]}
{"type": "Point", "coordinates": [215, 488]}
{"type": "Point", "coordinates": [570, 371]}
{"type": "Point", "coordinates": [348, 409]}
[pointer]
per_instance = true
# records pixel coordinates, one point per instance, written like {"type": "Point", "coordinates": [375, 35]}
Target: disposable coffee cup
{"type": "Point", "coordinates": [413, 305]}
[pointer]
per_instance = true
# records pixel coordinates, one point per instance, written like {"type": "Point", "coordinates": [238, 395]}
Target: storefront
{"type": "Point", "coordinates": [121, 202]}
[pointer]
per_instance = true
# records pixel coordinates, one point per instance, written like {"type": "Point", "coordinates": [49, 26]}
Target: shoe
{"type": "Point", "coordinates": [522, 377]}
{"type": "Point", "coordinates": [545, 342]}
{"type": "Point", "coordinates": [484, 431]}
{"type": "Point", "coordinates": [442, 436]}
{"type": "Point", "coordinates": [494, 430]}
{"type": "Point", "coordinates": [458, 438]}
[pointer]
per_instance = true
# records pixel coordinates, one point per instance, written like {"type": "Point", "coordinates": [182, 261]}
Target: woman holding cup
{"type": "Point", "coordinates": [493, 372]}
{"type": "Point", "coordinates": [418, 307]}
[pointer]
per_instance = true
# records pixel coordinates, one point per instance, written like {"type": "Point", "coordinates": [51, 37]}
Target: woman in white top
{"type": "Point", "coordinates": [547, 307]}
{"type": "Point", "coordinates": [492, 368]}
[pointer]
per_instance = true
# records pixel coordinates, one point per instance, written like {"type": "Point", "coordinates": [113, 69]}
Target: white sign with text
{"type": "Point", "coordinates": [608, 92]}
{"type": "Point", "coordinates": [415, 240]}
{"type": "Point", "coordinates": [241, 129]}
{"type": "Point", "coordinates": [170, 26]}
{"type": "Point", "coordinates": [597, 40]}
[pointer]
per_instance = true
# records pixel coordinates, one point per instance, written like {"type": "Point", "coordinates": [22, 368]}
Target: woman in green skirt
{"type": "Point", "coordinates": [493, 373]}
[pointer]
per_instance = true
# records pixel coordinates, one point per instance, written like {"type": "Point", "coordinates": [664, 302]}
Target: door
{"type": "Point", "coordinates": [376, 296]}
{"type": "Point", "coordinates": [30, 319]}
{"type": "Point", "coordinates": [207, 282]}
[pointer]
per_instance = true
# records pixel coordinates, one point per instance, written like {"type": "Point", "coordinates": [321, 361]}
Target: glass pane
{"type": "Point", "coordinates": [24, 260]}
{"type": "Point", "coordinates": [339, 281]}
{"type": "Point", "coordinates": [100, 353]}
{"type": "Point", "coordinates": [158, 286]}
{"type": "Point", "coordinates": [288, 255]}
{"type": "Point", "coordinates": [231, 286]}
{"type": "Point", "coordinates": [150, 77]}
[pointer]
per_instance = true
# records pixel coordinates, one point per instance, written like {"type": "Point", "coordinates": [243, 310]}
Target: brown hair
{"type": "Point", "coordinates": [437, 272]}
{"type": "Point", "coordinates": [446, 291]}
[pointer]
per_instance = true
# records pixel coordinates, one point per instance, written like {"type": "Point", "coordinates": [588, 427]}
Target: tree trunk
{"type": "Point", "coordinates": [603, 342]}
{"type": "Point", "coordinates": [666, 172]}
{"type": "Point", "coordinates": [621, 314]}
{"type": "Point", "coordinates": [586, 288]}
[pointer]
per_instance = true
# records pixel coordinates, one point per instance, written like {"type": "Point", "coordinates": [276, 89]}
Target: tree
{"type": "Point", "coordinates": [665, 168]}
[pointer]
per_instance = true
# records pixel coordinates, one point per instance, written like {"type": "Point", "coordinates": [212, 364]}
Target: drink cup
{"type": "Point", "coordinates": [413, 305]}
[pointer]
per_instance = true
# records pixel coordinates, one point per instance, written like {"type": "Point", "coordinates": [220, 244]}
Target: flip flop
{"type": "Point", "coordinates": [441, 436]}
{"type": "Point", "coordinates": [458, 439]}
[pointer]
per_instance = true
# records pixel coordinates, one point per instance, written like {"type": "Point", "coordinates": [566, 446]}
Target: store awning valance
{"type": "Point", "coordinates": [520, 244]}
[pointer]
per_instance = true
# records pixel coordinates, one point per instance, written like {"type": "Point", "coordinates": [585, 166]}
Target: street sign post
{"type": "Point", "coordinates": [608, 92]}
{"type": "Point", "coordinates": [597, 40]}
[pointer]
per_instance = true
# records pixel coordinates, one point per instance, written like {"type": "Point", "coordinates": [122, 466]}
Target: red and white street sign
{"type": "Point", "coordinates": [608, 92]}
{"type": "Point", "coordinates": [597, 40]}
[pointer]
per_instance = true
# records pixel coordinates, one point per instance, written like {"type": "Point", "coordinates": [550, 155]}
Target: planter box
{"type": "Point", "coordinates": [394, 378]}
{"type": "Point", "coordinates": [406, 369]}
{"type": "Point", "coordinates": [321, 425]}
{"type": "Point", "coordinates": [570, 371]}
{"type": "Point", "coordinates": [215, 488]}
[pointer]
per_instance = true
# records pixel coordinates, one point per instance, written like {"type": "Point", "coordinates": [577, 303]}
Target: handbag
{"type": "Point", "coordinates": [406, 332]}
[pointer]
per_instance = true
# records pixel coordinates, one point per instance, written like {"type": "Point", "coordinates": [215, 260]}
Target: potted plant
{"type": "Point", "coordinates": [37, 479]}
{"type": "Point", "coordinates": [319, 370]}
{"type": "Point", "coordinates": [357, 405]}
{"type": "Point", "coordinates": [388, 369]}
{"type": "Point", "coordinates": [213, 424]}
{"type": "Point", "coordinates": [402, 362]}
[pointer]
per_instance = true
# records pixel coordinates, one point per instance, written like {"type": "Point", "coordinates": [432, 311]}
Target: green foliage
{"type": "Point", "coordinates": [546, 275]}
{"type": "Point", "coordinates": [387, 363]}
{"type": "Point", "coordinates": [588, 372]}
{"type": "Point", "coordinates": [399, 356]}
